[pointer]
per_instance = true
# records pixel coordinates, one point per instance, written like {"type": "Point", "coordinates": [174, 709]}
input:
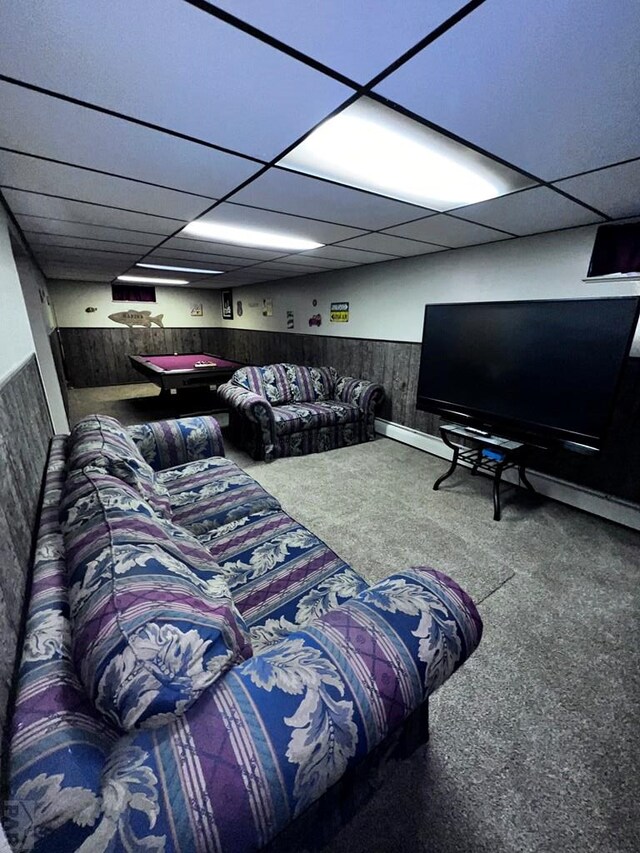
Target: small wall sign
{"type": "Point", "coordinates": [227, 304]}
{"type": "Point", "coordinates": [197, 310]}
{"type": "Point", "coordinates": [289, 319]}
{"type": "Point", "coordinates": [267, 307]}
{"type": "Point", "coordinates": [339, 312]}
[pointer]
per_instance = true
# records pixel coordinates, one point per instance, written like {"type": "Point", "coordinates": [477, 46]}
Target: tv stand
{"type": "Point", "coordinates": [486, 453]}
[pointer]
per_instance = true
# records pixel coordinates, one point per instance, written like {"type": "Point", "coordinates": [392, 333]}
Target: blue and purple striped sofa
{"type": "Point", "coordinates": [200, 672]}
{"type": "Point", "coordinates": [290, 410]}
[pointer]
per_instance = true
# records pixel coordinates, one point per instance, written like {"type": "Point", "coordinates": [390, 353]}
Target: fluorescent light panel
{"type": "Point", "coordinates": [248, 236]}
{"type": "Point", "coordinates": [139, 279]}
{"type": "Point", "coordinates": [372, 147]}
{"type": "Point", "coordinates": [179, 269]}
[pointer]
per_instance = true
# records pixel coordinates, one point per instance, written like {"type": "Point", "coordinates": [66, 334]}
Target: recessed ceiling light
{"type": "Point", "coordinates": [375, 148]}
{"type": "Point", "coordinates": [249, 236]}
{"type": "Point", "coordinates": [139, 279]}
{"type": "Point", "coordinates": [180, 269]}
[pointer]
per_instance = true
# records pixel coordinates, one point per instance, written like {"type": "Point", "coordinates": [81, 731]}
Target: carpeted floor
{"type": "Point", "coordinates": [534, 742]}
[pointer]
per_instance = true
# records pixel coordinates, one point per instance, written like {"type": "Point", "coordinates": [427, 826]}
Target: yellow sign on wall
{"type": "Point", "coordinates": [339, 312]}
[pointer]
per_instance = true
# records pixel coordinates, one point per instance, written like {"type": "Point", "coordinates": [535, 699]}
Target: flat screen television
{"type": "Point", "coordinates": [544, 372]}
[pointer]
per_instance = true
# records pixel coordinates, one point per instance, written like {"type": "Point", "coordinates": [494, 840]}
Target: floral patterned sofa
{"type": "Point", "coordinates": [199, 669]}
{"type": "Point", "coordinates": [289, 410]}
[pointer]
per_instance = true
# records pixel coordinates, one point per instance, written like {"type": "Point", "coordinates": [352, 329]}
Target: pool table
{"type": "Point", "coordinates": [175, 372]}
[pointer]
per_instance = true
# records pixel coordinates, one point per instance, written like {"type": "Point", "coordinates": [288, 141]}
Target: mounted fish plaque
{"type": "Point", "coordinates": [136, 318]}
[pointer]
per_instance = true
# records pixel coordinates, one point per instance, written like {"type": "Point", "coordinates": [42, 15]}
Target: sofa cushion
{"type": "Point", "coordinates": [280, 574]}
{"type": "Point", "coordinates": [288, 383]}
{"type": "Point", "coordinates": [311, 384]}
{"type": "Point", "coordinates": [152, 619]}
{"type": "Point", "coordinates": [102, 441]}
{"type": "Point", "coordinates": [303, 416]}
{"type": "Point", "coordinates": [210, 493]}
{"type": "Point", "coordinates": [271, 382]}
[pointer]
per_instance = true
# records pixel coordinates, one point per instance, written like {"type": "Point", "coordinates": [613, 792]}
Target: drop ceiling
{"type": "Point", "coordinates": [122, 121]}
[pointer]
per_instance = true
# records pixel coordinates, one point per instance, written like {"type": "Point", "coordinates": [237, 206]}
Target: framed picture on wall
{"type": "Point", "coordinates": [227, 304]}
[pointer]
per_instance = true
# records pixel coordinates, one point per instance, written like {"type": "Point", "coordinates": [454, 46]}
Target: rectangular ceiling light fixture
{"type": "Point", "coordinates": [179, 269]}
{"type": "Point", "coordinates": [140, 279]}
{"type": "Point", "coordinates": [248, 236]}
{"type": "Point", "coordinates": [372, 147]}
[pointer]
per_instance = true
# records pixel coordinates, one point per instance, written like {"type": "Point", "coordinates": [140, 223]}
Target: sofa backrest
{"type": "Point", "coordinates": [153, 623]}
{"type": "Point", "coordinates": [288, 383]}
{"type": "Point", "coordinates": [103, 442]}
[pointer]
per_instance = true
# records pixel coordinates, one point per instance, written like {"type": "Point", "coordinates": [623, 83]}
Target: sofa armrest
{"type": "Point", "coordinates": [281, 728]}
{"type": "Point", "coordinates": [253, 406]}
{"type": "Point", "coordinates": [165, 444]}
{"type": "Point", "coordinates": [366, 395]}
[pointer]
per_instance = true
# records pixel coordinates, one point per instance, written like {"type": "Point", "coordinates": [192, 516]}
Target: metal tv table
{"type": "Point", "coordinates": [484, 452]}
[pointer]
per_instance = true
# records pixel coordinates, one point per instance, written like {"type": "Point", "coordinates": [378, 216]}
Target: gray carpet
{"type": "Point", "coordinates": [534, 742]}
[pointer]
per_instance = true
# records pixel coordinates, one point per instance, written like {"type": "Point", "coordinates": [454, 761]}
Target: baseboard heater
{"type": "Point", "coordinates": [606, 506]}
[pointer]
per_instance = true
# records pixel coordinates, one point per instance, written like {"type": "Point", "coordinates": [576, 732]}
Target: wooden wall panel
{"type": "Point", "coordinates": [96, 357]}
{"type": "Point", "coordinates": [25, 431]}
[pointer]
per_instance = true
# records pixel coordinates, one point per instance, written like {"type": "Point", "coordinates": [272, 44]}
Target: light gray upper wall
{"type": "Point", "coordinates": [71, 299]}
{"type": "Point", "coordinates": [16, 340]}
{"type": "Point", "coordinates": [42, 322]}
{"type": "Point", "coordinates": [387, 299]}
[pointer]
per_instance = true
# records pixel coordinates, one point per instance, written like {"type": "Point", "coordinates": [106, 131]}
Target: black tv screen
{"type": "Point", "coordinates": [539, 371]}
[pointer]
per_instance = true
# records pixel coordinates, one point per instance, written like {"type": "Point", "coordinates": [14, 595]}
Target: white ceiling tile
{"type": "Point", "coordinates": [358, 38]}
{"type": "Point", "coordinates": [32, 204]}
{"type": "Point", "coordinates": [48, 225]}
{"type": "Point", "coordinates": [210, 247]}
{"type": "Point", "coordinates": [391, 246]}
{"type": "Point", "coordinates": [168, 63]}
{"type": "Point", "coordinates": [93, 256]}
{"type": "Point", "coordinates": [199, 258]}
{"type": "Point", "coordinates": [252, 217]}
{"type": "Point", "coordinates": [448, 231]}
{"type": "Point", "coordinates": [568, 101]}
{"type": "Point", "coordinates": [280, 272]}
{"type": "Point", "coordinates": [117, 267]}
{"type": "Point", "coordinates": [114, 267]}
{"type": "Point", "coordinates": [300, 260]}
{"type": "Point", "coordinates": [64, 273]}
{"type": "Point", "coordinates": [34, 123]}
{"type": "Point", "coordinates": [39, 240]}
{"type": "Point", "coordinates": [614, 191]}
{"type": "Point", "coordinates": [289, 192]}
{"type": "Point", "coordinates": [532, 83]}
{"type": "Point", "coordinates": [167, 258]}
{"type": "Point", "coordinates": [529, 212]}
{"type": "Point", "coordinates": [41, 176]}
{"type": "Point", "coordinates": [289, 269]}
{"type": "Point", "coordinates": [351, 256]}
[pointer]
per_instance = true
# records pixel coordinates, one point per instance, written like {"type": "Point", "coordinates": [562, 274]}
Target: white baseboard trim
{"type": "Point", "coordinates": [598, 503]}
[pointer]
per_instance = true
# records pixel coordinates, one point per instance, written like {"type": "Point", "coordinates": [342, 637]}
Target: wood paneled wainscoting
{"type": "Point", "coordinates": [25, 431]}
{"type": "Point", "coordinates": [99, 357]}
{"type": "Point", "coordinates": [94, 357]}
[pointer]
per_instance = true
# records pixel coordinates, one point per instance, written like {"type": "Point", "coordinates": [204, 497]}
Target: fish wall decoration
{"type": "Point", "coordinates": [136, 318]}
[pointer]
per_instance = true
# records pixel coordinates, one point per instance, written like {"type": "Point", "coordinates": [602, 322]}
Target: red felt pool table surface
{"type": "Point", "coordinates": [188, 362]}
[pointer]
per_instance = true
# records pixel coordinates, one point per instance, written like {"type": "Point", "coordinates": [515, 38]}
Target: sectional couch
{"type": "Point", "coordinates": [198, 669]}
{"type": "Point", "coordinates": [291, 410]}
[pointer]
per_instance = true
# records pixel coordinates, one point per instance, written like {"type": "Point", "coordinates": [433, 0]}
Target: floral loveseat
{"type": "Point", "coordinates": [289, 410]}
{"type": "Point", "coordinates": [198, 669]}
